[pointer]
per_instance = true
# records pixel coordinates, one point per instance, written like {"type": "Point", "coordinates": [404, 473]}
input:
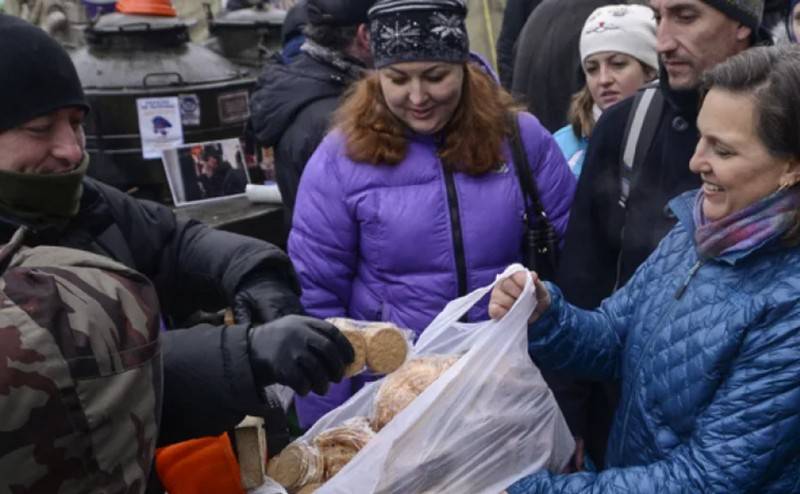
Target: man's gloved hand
{"type": "Point", "coordinates": [262, 299]}
{"type": "Point", "coordinates": [300, 352]}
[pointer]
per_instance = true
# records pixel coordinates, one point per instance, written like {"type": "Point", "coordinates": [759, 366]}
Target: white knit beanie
{"type": "Point", "coordinates": [628, 29]}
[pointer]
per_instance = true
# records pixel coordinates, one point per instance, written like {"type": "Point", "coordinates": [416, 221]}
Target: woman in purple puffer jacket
{"type": "Point", "coordinates": [413, 199]}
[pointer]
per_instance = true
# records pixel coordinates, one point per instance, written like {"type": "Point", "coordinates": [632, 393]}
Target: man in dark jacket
{"type": "Point", "coordinates": [213, 375]}
{"type": "Point", "coordinates": [217, 177]}
{"type": "Point", "coordinates": [606, 242]}
{"type": "Point", "coordinates": [291, 108]}
{"type": "Point", "coordinates": [547, 65]}
{"type": "Point", "coordinates": [514, 17]}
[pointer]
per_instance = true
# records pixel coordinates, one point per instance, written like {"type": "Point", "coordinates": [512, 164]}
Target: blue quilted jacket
{"type": "Point", "coordinates": [709, 358]}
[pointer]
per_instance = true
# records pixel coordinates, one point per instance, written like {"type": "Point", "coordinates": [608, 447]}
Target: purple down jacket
{"type": "Point", "coordinates": [397, 243]}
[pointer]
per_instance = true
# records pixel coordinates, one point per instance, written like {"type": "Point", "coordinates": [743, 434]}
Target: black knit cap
{"type": "Point", "coordinates": [748, 12]}
{"type": "Point", "coordinates": [338, 12]}
{"type": "Point", "coordinates": [38, 76]}
{"type": "Point", "coordinates": [418, 30]}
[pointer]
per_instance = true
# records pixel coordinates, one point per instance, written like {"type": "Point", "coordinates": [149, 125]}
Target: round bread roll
{"type": "Point", "coordinates": [355, 336]}
{"type": "Point", "coordinates": [339, 445]}
{"type": "Point", "coordinates": [298, 465]}
{"type": "Point", "coordinates": [400, 388]}
{"type": "Point", "coordinates": [387, 347]}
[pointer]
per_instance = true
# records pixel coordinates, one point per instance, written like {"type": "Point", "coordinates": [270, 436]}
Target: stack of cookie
{"type": "Point", "coordinates": [380, 347]}
{"type": "Point", "coordinates": [400, 388]}
{"type": "Point", "coordinates": [302, 467]}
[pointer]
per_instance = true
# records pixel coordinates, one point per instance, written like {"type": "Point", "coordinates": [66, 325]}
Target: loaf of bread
{"type": "Point", "coordinates": [339, 445]}
{"type": "Point", "coordinates": [401, 387]}
{"type": "Point", "coordinates": [355, 336]}
{"type": "Point", "coordinates": [298, 465]}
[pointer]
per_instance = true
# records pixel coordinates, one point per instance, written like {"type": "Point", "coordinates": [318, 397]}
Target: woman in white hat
{"type": "Point", "coordinates": [618, 55]}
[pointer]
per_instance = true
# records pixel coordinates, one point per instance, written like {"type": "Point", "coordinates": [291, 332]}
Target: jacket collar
{"type": "Point", "coordinates": [684, 101]}
{"type": "Point", "coordinates": [683, 207]}
{"type": "Point", "coordinates": [349, 68]}
{"type": "Point", "coordinates": [93, 215]}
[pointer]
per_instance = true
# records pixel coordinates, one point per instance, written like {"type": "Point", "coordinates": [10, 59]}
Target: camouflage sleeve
{"type": "Point", "coordinates": [80, 374]}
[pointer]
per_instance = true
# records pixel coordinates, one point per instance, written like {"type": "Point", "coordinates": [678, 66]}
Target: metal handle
{"type": "Point", "coordinates": [178, 78]}
{"type": "Point", "coordinates": [135, 26]}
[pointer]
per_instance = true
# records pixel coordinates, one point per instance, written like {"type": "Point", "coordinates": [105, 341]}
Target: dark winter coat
{"type": "Point", "coordinates": [291, 110]}
{"type": "Point", "coordinates": [709, 364]}
{"type": "Point", "coordinates": [593, 244]}
{"type": "Point", "coordinates": [547, 68]}
{"type": "Point", "coordinates": [225, 181]}
{"type": "Point", "coordinates": [514, 17]}
{"type": "Point", "coordinates": [192, 266]}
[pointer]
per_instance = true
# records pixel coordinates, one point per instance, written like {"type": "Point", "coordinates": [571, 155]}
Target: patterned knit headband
{"type": "Point", "coordinates": [413, 30]}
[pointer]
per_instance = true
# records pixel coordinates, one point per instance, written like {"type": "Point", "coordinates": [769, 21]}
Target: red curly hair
{"type": "Point", "coordinates": [473, 136]}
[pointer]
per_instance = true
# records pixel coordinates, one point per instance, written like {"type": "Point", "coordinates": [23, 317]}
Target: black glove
{"type": "Point", "coordinates": [300, 352]}
{"type": "Point", "coordinates": [262, 299]}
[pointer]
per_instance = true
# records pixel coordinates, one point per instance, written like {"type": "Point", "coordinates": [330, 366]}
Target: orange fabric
{"type": "Point", "coordinates": [199, 466]}
{"type": "Point", "coordinates": [147, 7]}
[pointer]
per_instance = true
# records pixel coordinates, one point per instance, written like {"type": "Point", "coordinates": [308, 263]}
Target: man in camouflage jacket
{"type": "Point", "coordinates": [213, 375]}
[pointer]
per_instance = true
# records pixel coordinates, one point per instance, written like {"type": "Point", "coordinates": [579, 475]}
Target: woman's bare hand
{"type": "Point", "coordinates": [508, 291]}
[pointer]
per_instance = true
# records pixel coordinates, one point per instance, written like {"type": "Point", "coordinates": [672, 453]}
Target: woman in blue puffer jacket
{"type": "Point", "coordinates": [706, 335]}
{"type": "Point", "coordinates": [413, 200]}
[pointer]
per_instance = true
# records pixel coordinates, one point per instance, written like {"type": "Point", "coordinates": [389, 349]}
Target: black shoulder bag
{"type": "Point", "coordinates": [539, 244]}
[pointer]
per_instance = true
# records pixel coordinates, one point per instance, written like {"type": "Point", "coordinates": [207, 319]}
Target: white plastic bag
{"type": "Point", "coordinates": [488, 421]}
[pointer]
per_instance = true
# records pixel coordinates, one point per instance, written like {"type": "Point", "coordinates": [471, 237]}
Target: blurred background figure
{"type": "Point", "coordinates": [292, 37]}
{"type": "Point", "coordinates": [291, 108]}
{"type": "Point", "coordinates": [514, 17]}
{"type": "Point", "coordinates": [547, 68]}
{"type": "Point", "coordinates": [793, 20]}
{"type": "Point", "coordinates": [413, 199]}
{"type": "Point", "coordinates": [618, 55]}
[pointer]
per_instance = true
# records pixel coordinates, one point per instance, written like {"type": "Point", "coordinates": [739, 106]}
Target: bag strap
{"type": "Point", "coordinates": [639, 133]}
{"type": "Point", "coordinates": [526, 181]}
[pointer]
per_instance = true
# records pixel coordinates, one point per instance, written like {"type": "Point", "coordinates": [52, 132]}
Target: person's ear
{"type": "Point", "coordinates": [791, 175]}
{"type": "Point", "coordinates": [743, 33]}
{"type": "Point", "coordinates": [361, 48]}
{"type": "Point", "coordinates": [362, 37]}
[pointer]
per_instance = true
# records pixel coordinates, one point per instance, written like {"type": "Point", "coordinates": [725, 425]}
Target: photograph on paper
{"type": "Point", "coordinates": [206, 171]}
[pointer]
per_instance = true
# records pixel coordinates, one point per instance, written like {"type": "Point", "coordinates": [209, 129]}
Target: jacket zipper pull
{"type": "Point", "coordinates": [681, 289]}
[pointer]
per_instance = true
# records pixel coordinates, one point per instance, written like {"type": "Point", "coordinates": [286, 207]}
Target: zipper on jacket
{"type": "Point", "coordinates": [458, 240]}
{"type": "Point", "coordinates": [646, 348]}
{"type": "Point", "coordinates": [649, 343]}
{"type": "Point", "coordinates": [619, 258]}
{"type": "Point", "coordinates": [682, 288]}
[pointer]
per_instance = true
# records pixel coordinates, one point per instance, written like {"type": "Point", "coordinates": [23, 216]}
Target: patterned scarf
{"type": "Point", "coordinates": [754, 225]}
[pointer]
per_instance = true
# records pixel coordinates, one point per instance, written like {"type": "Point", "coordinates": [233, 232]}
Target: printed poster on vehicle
{"type": "Point", "coordinates": [160, 125]}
